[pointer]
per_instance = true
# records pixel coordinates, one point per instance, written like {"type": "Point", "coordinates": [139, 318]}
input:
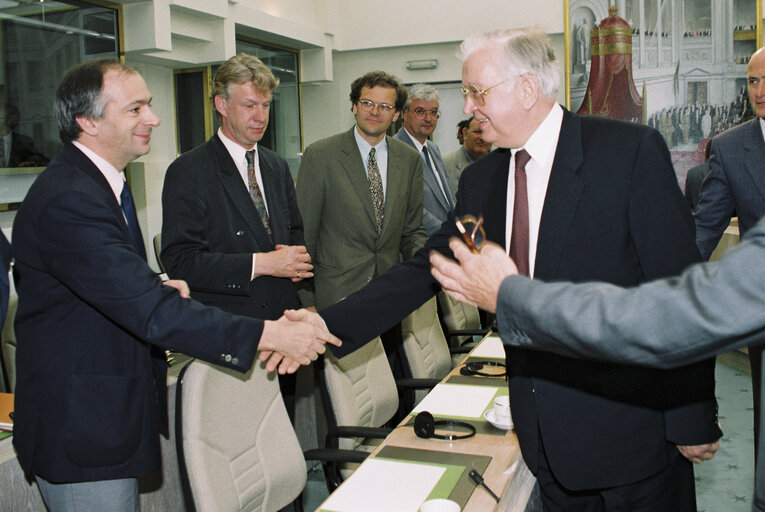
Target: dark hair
{"type": "Point", "coordinates": [79, 95]}
{"type": "Point", "coordinates": [379, 78]}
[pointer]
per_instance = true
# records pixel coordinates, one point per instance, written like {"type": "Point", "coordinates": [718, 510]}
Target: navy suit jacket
{"type": "Point", "coordinates": [735, 185]}
{"type": "Point", "coordinates": [435, 205]}
{"type": "Point", "coordinates": [210, 228]}
{"type": "Point", "coordinates": [90, 389]}
{"type": "Point", "coordinates": [613, 212]}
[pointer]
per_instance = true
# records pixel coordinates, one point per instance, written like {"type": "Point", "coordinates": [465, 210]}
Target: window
{"type": "Point", "coordinates": [39, 41]}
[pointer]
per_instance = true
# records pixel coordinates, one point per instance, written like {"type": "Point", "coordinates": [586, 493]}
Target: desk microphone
{"type": "Point", "coordinates": [478, 479]}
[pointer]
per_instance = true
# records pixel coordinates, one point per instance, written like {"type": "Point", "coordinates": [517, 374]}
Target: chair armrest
{"type": "Point", "coordinates": [416, 383]}
{"type": "Point", "coordinates": [335, 455]}
{"type": "Point", "coordinates": [357, 431]}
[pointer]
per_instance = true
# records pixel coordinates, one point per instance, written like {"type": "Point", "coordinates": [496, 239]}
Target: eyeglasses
{"type": "Point", "coordinates": [476, 94]}
{"type": "Point", "coordinates": [420, 112]}
{"type": "Point", "coordinates": [472, 231]}
{"type": "Point", "coordinates": [369, 106]}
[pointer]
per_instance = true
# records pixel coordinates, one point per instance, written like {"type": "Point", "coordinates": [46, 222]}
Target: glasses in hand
{"type": "Point", "coordinates": [472, 231]}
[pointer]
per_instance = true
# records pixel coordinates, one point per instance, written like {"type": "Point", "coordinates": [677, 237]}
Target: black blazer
{"type": "Point", "coordinates": [613, 212]}
{"type": "Point", "coordinates": [210, 228]}
{"type": "Point", "coordinates": [89, 392]}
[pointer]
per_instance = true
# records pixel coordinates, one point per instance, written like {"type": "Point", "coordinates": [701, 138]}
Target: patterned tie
{"type": "Point", "coordinates": [376, 188]}
{"type": "Point", "coordinates": [255, 193]}
{"type": "Point", "coordinates": [128, 208]}
{"type": "Point", "coordinates": [519, 238]}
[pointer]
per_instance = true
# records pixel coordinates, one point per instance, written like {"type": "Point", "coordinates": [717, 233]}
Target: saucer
{"type": "Point", "coordinates": [489, 416]}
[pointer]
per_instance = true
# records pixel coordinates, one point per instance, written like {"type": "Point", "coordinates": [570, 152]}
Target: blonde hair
{"type": "Point", "coordinates": [241, 69]}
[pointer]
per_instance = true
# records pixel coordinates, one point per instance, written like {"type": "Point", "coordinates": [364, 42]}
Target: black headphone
{"type": "Point", "coordinates": [474, 368]}
{"type": "Point", "coordinates": [425, 427]}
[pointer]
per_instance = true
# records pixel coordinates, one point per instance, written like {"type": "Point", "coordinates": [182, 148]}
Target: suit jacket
{"type": "Point", "coordinates": [693, 181]}
{"type": "Point", "coordinates": [454, 163]}
{"type": "Point", "coordinates": [90, 391]}
{"type": "Point", "coordinates": [720, 303]}
{"type": "Point", "coordinates": [735, 184]}
{"type": "Point", "coordinates": [612, 212]}
{"type": "Point", "coordinates": [435, 204]}
{"type": "Point", "coordinates": [340, 234]}
{"type": "Point", "coordinates": [210, 228]}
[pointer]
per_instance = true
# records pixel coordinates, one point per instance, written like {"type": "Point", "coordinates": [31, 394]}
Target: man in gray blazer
{"type": "Point", "coordinates": [720, 304]}
{"type": "Point", "coordinates": [473, 148]}
{"type": "Point", "coordinates": [736, 186]}
{"type": "Point", "coordinates": [360, 194]}
{"type": "Point", "coordinates": [420, 120]}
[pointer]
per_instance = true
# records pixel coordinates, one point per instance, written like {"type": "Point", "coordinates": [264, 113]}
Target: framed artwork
{"type": "Point", "coordinates": [677, 65]}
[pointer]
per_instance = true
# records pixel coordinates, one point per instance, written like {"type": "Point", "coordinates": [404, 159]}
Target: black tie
{"type": "Point", "coordinates": [128, 208]}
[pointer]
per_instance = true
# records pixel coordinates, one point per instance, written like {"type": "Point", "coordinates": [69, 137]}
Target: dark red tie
{"type": "Point", "coordinates": [519, 238]}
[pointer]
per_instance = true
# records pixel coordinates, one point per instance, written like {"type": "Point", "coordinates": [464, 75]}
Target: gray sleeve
{"type": "Point", "coordinates": [711, 308]}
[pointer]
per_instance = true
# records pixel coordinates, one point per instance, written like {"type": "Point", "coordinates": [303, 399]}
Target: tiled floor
{"type": "Point", "coordinates": [724, 484]}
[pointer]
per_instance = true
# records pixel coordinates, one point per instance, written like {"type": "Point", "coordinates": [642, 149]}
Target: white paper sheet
{"type": "Point", "coordinates": [452, 400]}
{"type": "Point", "coordinates": [490, 347]}
{"type": "Point", "coordinates": [385, 485]}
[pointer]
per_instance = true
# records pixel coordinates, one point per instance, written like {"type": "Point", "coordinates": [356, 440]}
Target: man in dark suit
{"type": "Point", "coordinates": [421, 115]}
{"type": "Point", "coordinates": [231, 229]}
{"type": "Point", "coordinates": [596, 199]}
{"type": "Point", "coordinates": [90, 390]}
{"type": "Point", "coordinates": [735, 185]}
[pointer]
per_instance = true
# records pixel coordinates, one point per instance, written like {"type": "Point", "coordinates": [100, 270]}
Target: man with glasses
{"type": "Point", "coordinates": [473, 148]}
{"type": "Point", "coordinates": [360, 194]}
{"type": "Point", "coordinates": [570, 198]}
{"type": "Point", "coordinates": [420, 120]}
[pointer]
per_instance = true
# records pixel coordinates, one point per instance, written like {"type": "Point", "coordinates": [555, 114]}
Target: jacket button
{"type": "Point", "coordinates": [240, 232]}
{"type": "Point", "coordinates": [235, 361]}
{"type": "Point", "coordinates": [264, 304]}
{"type": "Point", "coordinates": [227, 358]}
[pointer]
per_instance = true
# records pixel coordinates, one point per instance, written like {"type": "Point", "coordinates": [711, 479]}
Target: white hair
{"type": "Point", "coordinates": [525, 51]}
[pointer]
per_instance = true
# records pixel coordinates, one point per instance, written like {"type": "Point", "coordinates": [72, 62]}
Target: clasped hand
{"type": "Point", "coordinates": [297, 338]}
{"type": "Point", "coordinates": [291, 261]}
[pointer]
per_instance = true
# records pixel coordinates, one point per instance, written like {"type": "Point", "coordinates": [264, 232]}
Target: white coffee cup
{"type": "Point", "coordinates": [502, 409]}
{"type": "Point", "coordinates": [440, 505]}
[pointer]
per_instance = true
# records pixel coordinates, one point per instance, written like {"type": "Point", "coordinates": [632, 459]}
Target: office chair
{"type": "Point", "coordinates": [360, 399]}
{"type": "Point", "coordinates": [460, 322]}
{"type": "Point", "coordinates": [157, 241]}
{"type": "Point", "coordinates": [8, 340]}
{"type": "Point", "coordinates": [237, 451]}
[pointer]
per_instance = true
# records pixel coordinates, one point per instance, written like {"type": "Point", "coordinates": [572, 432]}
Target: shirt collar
{"type": "Point", "coordinates": [236, 151]}
{"type": "Point", "coordinates": [762, 127]}
{"type": "Point", "coordinates": [538, 146]}
{"type": "Point", "coordinates": [115, 178]}
{"type": "Point", "coordinates": [416, 142]}
{"type": "Point", "coordinates": [365, 146]}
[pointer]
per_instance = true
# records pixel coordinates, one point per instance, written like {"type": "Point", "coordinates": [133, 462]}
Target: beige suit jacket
{"type": "Point", "coordinates": [339, 224]}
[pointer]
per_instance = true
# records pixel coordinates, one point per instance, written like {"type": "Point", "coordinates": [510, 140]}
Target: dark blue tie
{"type": "Point", "coordinates": [128, 207]}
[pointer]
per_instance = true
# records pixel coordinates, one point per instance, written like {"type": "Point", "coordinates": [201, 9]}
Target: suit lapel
{"type": "Point", "coordinates": [232, 183]}
{"type": "Point", "coordinates": [495, 209]}
{"type": "Point", "coordinates": [271, 183]}
{"type": "Point", "coordinates": [430, 178]}
{"type": "Point", "coordinates": [353, 166]}
{"type": "Point", "coordinates": [754, 155]}
{"type": "Point", "coordinates": [561, 198]}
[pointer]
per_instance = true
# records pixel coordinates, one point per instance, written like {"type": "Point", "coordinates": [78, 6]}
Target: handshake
{"type": "Point", "coordinates": [297, 338]}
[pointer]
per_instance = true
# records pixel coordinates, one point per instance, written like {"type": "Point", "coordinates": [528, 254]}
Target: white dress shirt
{"type": "Point", "coordinates": [432, 164]}
{"type": "Point", "coordinates": [541, 147]}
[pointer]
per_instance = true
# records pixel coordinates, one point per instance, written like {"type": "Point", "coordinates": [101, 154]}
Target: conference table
{"type": "Point", "coordinates": [405, 470]}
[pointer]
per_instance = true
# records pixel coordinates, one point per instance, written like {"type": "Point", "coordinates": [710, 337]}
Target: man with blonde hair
{"type": "Point", "coordinates": [231, 226]}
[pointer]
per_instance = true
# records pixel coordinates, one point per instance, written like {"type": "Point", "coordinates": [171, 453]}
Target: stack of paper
{"type": "Point", "coordinates": [457, 401]}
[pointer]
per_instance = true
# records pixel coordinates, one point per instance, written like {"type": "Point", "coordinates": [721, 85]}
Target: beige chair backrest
{"type": "Point", "coordinates": [458, 316]}
{"type": "Point", "coordinates": [240, 451]}
{"type": "Point", "coordinates": [425, 347]}
{"type": "Point", "coordinates": [361, 388]}
{"type": "Point", "coordinates": [157, 250]}
{"type": "Point", "coordinates": [8, 338]}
